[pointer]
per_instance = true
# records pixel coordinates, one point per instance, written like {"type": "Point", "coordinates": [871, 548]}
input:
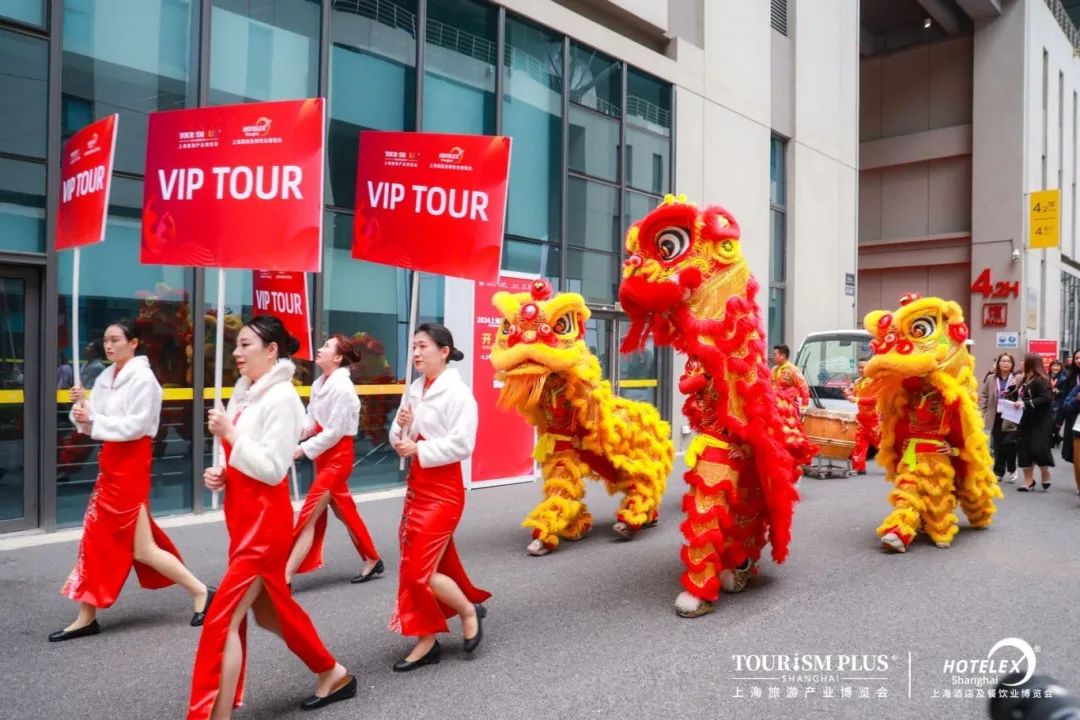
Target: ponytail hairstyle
{"type": "Point", "coordinates": [270, 329]}
{"type": "Point", "coordinates": [443, 338]}
{"type": "Point", "coordinates": [131, 332]}
{"type": "Point", "coordinates": [346, 348]}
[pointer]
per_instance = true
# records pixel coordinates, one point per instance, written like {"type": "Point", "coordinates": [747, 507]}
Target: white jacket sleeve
{"type": "Point", "coordinates": [267, 458]}
{"type": "Point", "coordinates": [458, 444]}
{"type": "Point", "coordinates": [395, 429]}
{"type": "Point", "coordinates": [141, 410]}
{"type": "Point", "coordinates": [337, 424]}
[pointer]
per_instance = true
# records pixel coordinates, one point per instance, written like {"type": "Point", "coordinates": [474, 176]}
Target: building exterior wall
{"type": "Point", "coordinates": [699, 90]}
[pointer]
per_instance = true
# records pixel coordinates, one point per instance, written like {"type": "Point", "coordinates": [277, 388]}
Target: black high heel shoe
{"type": "Point", "coordinates": [431, 657]}
{"type": "Point", "coordinates": [474, 642]}
{"type": "Point", "coordinates": [198, 618]}
{"type": "Point", "coordinates": [364, 577]}
{"type": "Point", "coordinates": [85, 631]}
{"type": "Point", "coordinates": [1046, 486]}
{"type": "Point", "coordinates": [1027, 488]}
{"type": "Point", "coordinates": [344, 692]}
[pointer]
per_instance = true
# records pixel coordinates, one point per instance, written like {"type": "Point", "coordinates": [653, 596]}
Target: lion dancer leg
{"type": "Point", "coordinates": [899, 528]}
{"type": "Point", "coordinates": [723, 536]}
{"type": "Point", "coordinates": [562, 513]}
{"type": "Point", "coordinates": [639, 508]}
{"type": "Point", "coordinates": [936, 475]}
{"type": "Point", "coordinates": [978, 502]}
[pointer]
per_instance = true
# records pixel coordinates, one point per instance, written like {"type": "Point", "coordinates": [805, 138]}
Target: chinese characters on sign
{"type": "Point", "coordinates": [995, 315]}
{"type": "Point", "coordinates": [1044, 220]}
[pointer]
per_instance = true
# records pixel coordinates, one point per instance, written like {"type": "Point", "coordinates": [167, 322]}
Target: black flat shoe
{"type": "Point", "coordinates": [432, 657]}
{"type": "Point", "coordinates": [474, 642]}
{"type": "Point", "coordinates": [344, 692]}
{"type": "Point", "coordinates": [364, 577]}
{"type": "Point", "coordinates": [198, 618]}
{"type": "Point", "coordinates": [85, 631]}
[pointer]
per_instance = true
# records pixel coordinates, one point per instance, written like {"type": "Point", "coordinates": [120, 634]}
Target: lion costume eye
{"type": "Point", "coordinates": [671, 243]}
{"type": "Point", "coordinates": [922, 327]}
{"type": "Point", "coordinates": [564, 325]}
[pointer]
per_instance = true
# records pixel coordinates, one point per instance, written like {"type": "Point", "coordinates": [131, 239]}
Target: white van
{"type": "Point", "coordinates": [829, 362]}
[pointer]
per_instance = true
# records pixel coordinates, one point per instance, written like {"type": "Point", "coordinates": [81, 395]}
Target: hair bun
{"type": "Point", "coordinates": [456, 355]}
{"type": "Point", "coordinates": [292, 344]}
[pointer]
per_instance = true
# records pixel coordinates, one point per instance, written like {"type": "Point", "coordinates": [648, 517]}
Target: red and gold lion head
{"type": "Point", "coordinates": [681, 259]}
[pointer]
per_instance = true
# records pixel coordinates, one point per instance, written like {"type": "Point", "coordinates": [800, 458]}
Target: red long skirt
{"type": "Point", "coordinates": [259, 520]}
{"type": "Point", "coordinates": [107, 551]}
{"type": "Point", "coordinates": [434, 502]}
{"type": "Point", "coordinates": [332, 470]}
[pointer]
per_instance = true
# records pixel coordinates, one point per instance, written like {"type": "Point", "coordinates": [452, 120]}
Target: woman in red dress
{"type": "Point", "coordinates": [118, 530]}
{"type": "Point", "coordinates": [436, 427]}
{"type": "Point", "coordinates": [333, 418]}
{"type": "Point", "coordinates": [259, 431]}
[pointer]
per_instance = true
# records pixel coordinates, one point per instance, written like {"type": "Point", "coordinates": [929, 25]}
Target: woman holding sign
{"type": "Point", "coordinates": [333, 418]}
{"type": "Point", "coordinates": [436, 427]}
{"type": "Point", "coordinates": [118, 531]}
{"type": "Point", "coordinates": [259, 431]}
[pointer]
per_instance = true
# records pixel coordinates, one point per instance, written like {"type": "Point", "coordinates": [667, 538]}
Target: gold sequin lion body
{"type": "Point", "coordinates": [933, 443]}
{"type": "Point", "coordinates": [552, 379]}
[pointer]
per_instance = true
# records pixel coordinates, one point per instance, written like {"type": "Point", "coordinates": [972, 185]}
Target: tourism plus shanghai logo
{"type": "Point", "coordinates": [840, 677]}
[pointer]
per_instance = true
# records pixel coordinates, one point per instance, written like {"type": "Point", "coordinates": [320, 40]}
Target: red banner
{"type": "Point", "coordinates": [285, 294]}
{"type": "Point", "coordinates": [235, 186]}
{"type": "Point", "coordinates": [504, 441]}
{"type": "Point", "coordinates": [1047, 349]}
{"type": "Point", "coordinates": [85, 177]}
{"type": "Point", "coordinates": [432, 202]}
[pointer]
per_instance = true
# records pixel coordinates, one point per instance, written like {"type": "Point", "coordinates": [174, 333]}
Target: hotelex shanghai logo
{"type": "Point", "coordinates": [260, 128]}
{"type": "Point", "coordinates": [1011, 655]}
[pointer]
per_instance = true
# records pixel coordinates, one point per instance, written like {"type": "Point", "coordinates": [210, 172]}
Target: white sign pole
{"type": "Point", "coordinates": [76, 350]}
{"type": "Point", "coordinates": [219, 359]}
{"type": "Point", "coordinates": [414, 315]}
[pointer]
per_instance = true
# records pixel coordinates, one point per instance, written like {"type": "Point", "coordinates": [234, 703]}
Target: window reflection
{"type": "Point", "coordinates": [459, 66]}
{"type": "Point", "coordinates": [22, 94]}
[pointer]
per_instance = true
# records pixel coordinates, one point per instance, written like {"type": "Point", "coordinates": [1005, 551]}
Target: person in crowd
{"type": "Point", "coordinates": [1033, 446]}
{"type": "Point", "coordinates": [333, 418]}
{"type": "Point", "coordinates": [122, 411]}
{"type": "Point", "coordinates": [259, 431]}
{"type": "Point", "coordinates": [787, 379]}
{"type": "Point", "coordinates": [1058, 379]}
{"type": "Point", "coordinates": [95, 365]}
{"type": "Point", "coordinates": [1070, 431]}
{"type": "Point", "coordinates": [1000, 385]}
{"type": "Point", "coordinates": [435, 427]}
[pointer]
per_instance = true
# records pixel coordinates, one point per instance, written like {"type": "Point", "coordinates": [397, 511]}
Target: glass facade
{"type": "Point", "coordinates": [592, 152]}
{"type": "Point", "coordinates": [777, 241]}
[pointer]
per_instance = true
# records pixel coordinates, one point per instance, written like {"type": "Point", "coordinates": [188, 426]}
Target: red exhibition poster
{"type": "Point", "coordinates": [284, 293]}
{"type": "Point", "coordinates": [85, 177]}
{"type": "Point", "coordinates": [432, 202]}
{"type": "Point", "coordinates": [504, 441]}
{"type": "Point", "coordinates": [235, 186]}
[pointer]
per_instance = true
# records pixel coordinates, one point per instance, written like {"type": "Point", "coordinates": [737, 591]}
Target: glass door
{"type": "Point", "coordinates": [636, 376]}
{"type": "Point", "coordinates": [19, 410]}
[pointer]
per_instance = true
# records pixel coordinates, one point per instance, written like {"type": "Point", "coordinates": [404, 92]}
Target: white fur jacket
{"type": "Point", "coordinates": [445, 416]}
{"type": "Point", "coordinates": [271, 418]}
{"type": "Point", "coordinates": [335, 407]}
{"type": "Point", "coordinates": [124, 406]}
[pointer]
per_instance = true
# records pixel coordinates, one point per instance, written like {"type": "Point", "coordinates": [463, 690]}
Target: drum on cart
{"type": "Point", "coordinates": [833, 431]}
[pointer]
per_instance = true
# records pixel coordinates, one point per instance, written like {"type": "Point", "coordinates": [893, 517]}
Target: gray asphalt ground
{"type": "Point", "coordinates": [590, 631]}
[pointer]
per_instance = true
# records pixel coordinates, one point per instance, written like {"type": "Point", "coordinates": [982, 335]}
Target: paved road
{"type": "Point", "coordinates": [589, 631]}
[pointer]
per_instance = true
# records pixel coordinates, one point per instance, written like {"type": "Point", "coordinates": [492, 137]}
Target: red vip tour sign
{"type": "Point", "coordinates": [284, 294]}
{"type": "Point", "coordinates": [432, 202]}
{"type": "Point", "coordinates": [235, 186]}
{"type": "Point", "coordinates": [85, 179]}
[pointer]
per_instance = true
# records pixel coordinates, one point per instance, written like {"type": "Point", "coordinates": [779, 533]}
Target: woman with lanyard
{"type": "Point", "coordinates": [259, 431]}
{"type": "Point", "coordinates": [1000, 385]}
{"type": "Point", "coordinates": [436, 427]}
{"type": "Point", "coordinates": [333, 417]}
{"type": "Point", "coordinates": [118, 531]}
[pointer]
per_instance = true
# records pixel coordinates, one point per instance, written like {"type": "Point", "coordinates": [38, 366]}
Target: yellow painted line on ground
{"type": "Point", "coordinates": [637, 383]}
{"type": "Point", "coordinates": [63, 397]}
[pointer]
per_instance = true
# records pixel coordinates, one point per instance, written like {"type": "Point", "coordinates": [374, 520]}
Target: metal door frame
{"type": "Point", "coordinates": [663, 360]}
{"type": "Point", "coordinates": [32, 389]}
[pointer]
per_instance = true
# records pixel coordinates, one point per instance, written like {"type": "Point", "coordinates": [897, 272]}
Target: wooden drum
{"type": "Point", "coordinates": [832, 431]}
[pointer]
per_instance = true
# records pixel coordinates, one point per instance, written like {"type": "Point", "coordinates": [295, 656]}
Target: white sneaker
{"type": "Point", "coordinates": [1011, 477]}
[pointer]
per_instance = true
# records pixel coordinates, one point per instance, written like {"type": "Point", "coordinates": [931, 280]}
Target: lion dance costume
{"type": "Point", "coordinates": [552, 379]}
{"type": "Point", "coordinates": [686, 282]}
{"type": "Point", "coordinates": [933, 444]}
